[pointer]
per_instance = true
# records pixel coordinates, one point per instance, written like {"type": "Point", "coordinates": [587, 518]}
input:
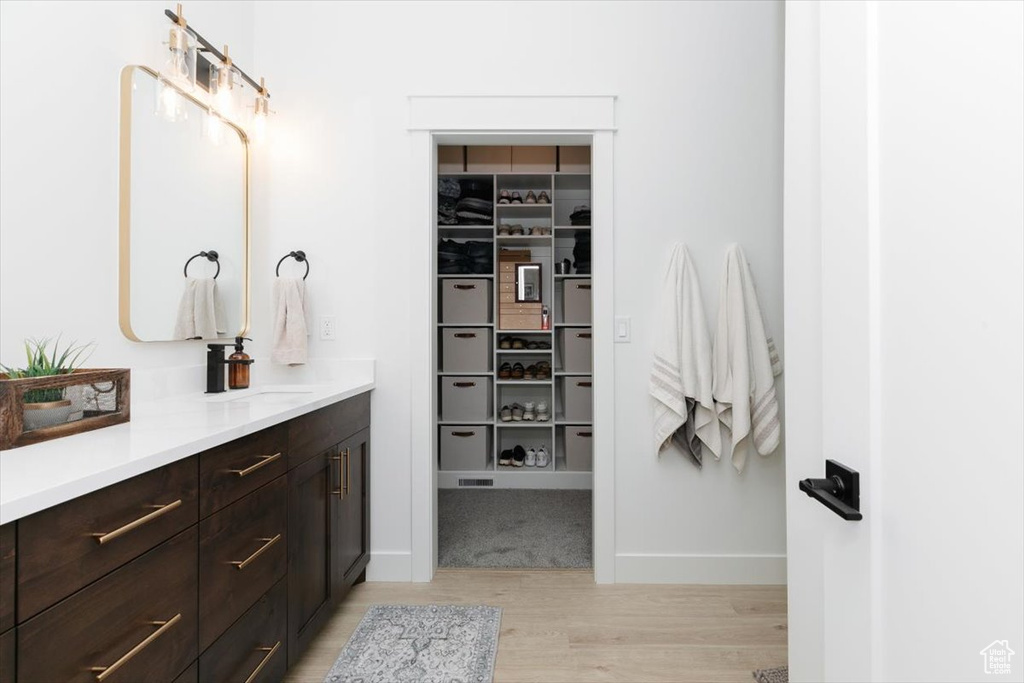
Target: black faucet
{"type": "Point", "coordinates": [215, 364]}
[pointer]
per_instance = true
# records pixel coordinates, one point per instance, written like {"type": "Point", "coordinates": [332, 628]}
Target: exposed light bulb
{"type": "Point", "coordinates": [170, 104]}
{"type": "Point", "coordinates": [215, 128]}
{"type": "Point", "coordinates": [260, 114]}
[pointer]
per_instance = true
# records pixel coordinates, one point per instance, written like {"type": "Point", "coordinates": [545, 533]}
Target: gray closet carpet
{"type": "Point", "coordinates": [514, 528]}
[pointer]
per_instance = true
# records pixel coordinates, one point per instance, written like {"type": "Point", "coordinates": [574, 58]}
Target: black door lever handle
{"type": "Point", "coordinates": [839, 491]}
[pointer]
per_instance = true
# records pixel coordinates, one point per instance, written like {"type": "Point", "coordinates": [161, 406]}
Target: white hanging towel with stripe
{"type": "Point", "coordinates": [681, 375]}
{"type": "Point", "coordinates": [746, 364]}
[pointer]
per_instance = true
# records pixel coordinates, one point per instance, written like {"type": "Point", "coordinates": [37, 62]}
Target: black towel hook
{"type": "Point", "coordinates": [299, 256]}
{"type": "Point", "coordinates": [211, 256]}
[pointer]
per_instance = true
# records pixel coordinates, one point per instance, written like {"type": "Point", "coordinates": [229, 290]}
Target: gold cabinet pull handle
{"type": "Point", "coordinates": [264, 461]}
{"type": "Point", "coordinates": [102, 672]}
{"type": "Point", "coordinates": [340, 491]}
{"type": "Point", "coordinates": [267, 542]}
{"type": "Point", "coordinates": [348, 470]}
{"type": "Point", "coordinates": [103, 538]}
{"type": "Point", "coordinates": [271, 651]}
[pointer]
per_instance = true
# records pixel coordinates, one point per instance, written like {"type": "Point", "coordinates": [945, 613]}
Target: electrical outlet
{"type": "Point", "coordinates": [328, 329]}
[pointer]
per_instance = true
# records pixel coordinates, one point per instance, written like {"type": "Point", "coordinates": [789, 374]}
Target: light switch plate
{"type": "Point", "coordinates": [327, 327]}
{"type": "Point", "coordinates": [622, 329]}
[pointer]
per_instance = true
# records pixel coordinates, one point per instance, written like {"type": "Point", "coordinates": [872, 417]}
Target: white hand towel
{"type": "Point", "coordinates": [199, 312]}
{"type": "Point", "coordinates": [746, 364]}
{"type": "Point", "coordinates": [291, 321]}
{"type": "Point", "coordinates": [681, 375]}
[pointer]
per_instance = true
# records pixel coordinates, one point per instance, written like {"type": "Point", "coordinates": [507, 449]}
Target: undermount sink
{"type": "Point", "coordinates": [265, 394]}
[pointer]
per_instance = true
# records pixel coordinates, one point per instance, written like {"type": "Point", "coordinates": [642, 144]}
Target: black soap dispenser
{"type": "Point", "coordinates": [238, 366]}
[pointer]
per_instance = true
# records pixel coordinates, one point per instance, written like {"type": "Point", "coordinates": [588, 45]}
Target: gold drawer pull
{"type": "Point", "coordinates": [161, 510]}
{"type": "Point", "coordinates": [464, 385]}
{"type": "Point", "coordinates": [342, 488]}
{"type": "Point", "coordinates": [102, 672]}
{"type": "Point", "coordinates": [267, 542]}
{"type": "Point", "coordinates": [465, 335]}
{"type": "Point", "coordinates": [271, 651]}
{"type": "Point", "coordinates": [465, 286]}
{"type": "Point", "coordinates": [348, 470]}
{"type": "Point", "coordinates": [264, 460]}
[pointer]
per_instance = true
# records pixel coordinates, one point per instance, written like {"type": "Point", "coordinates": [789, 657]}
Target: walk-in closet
{"type": "Point", "coordinates": [514, 356]}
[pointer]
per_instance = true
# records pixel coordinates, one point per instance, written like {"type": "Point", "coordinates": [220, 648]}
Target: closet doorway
{"type": "Point", "coordinates": [509, 213]}
{"type": "Point", "coordinates": [515, 379]}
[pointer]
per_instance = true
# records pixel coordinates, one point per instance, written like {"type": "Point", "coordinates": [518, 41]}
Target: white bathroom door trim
{"type": "Point", "coordinates": [525, 118]}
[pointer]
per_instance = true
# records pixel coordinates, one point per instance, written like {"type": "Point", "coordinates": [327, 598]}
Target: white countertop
{"type": "Point", "coordinates": [33, 478]}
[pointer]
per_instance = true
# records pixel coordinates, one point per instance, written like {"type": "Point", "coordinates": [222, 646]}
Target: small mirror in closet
{"type": "Point", "coordinates": [528, 281]}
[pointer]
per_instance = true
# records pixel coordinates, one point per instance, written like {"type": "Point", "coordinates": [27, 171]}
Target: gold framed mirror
{"type": "Point", "coordinates": [184, 215]}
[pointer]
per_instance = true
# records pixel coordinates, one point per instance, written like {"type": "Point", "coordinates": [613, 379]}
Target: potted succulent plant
{"type": "Point", "coordinates": [46, 407]}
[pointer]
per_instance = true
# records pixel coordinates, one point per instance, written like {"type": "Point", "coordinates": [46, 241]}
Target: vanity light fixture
{"type": "Point", "coordinates": [260, 113]}
{"type": "Point", "coordinates": [179, 70]}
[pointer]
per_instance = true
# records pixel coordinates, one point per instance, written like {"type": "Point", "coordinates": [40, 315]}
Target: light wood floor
{"type": "Point", "coordinates": [558, 625]}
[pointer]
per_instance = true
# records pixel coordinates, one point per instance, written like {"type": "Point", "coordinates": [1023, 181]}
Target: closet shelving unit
{"type": "Point", "coordinates": [567, 189]}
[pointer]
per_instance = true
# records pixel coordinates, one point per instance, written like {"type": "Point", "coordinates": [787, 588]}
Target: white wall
{"type": "Point", "coordinates": [60, 64]}
{"type": "Point", "coordinates": [698, 159]}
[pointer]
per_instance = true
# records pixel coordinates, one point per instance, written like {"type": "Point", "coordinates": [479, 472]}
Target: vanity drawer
{"type": "Point", "coordinates": [242, 553]}
{"type": "Point", "coordinates": [66, 547]}
{"type": "Point", "coordinates": [254, 648]}
{"type": "Point", "coordinates": [313, 433]}
{"type": "Point", "coordinates": [228, 472]}
{"type": "Point", "coordinates": [139, 622]}
{"type": "Point", "coordinates": [7, 560]}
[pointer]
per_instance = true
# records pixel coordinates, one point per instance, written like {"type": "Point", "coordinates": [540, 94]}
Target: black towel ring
{"type": "Point", "coordinates": [211, 256]}
{"type": "Point", "coordinates": [299, 256]}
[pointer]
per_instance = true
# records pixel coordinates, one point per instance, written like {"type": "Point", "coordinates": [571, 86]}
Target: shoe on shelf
{"type": "Point", "coordinates": [543, 370]}
{"type": "Point", "coordinates": [505, 371]}
{"type": "Point", "coordinates": [543, 197]}
{"type": "Point", "coordinates": [528, 413]}
{"type": "Point", "coordinates": [532, 345]}
{"type": "Point", "coordinates": [543, 460]}
{"type": "Point", "coordinates": [504, 197]}
{"type": "Point", "coordinates": [536, 230]}
{"type": "Point", "coordinates": [516, 229]}
{"type": "Point", "coordinates": [504, 229]}
{"type": "Point", "coordinates": [506, 414]}
{"type": "Point", "coordinates": [517, 412]}
{"type": "Point", "coordinates": [542, 412]}
{"type": "Point", "coordinates": [518, 371]}
{"type": "Point", "coordinates": [518, 343]}
{"type": "Point", "coordinates": [505, 343]}
{"type": "Point", "coordinates": [506, 457]}
{"type": "Point", "coordinates": [545, 345]}
{"type": "Point", "coordinates": [531, 458]}
{"type": "Point", "coordinates": [531, 198]}
{"type": "Point", "coordinates": [518, 456]}
{"type": "Point", "coordinates": [530, 372]}
{"type": "Point", "coordinates": [517, 198]}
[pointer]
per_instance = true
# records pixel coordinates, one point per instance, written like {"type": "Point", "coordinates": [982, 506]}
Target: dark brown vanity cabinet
{"type": "Point", "coordinates": [217, 567]}
{"type": "Point", "coordinates": [328, 516]}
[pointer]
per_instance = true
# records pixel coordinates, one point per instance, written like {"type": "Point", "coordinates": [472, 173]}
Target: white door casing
{"type": "Point", "coordinates": [530, 119]}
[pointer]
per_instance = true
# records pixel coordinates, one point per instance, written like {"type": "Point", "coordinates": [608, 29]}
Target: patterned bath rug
{"type": "Point", "coordinates": [779, 675]}
{"type": "Point", "coordinates": [421, 643]}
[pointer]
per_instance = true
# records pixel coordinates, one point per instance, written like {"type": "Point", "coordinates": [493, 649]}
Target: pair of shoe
{"type": "Point", "coordinates": [513, 229]}
{"type": "Point", "coordinates": [519, 344]}
{"type": "Point", "coordinates": [506, 197]}
{"type": "Point", "coordinates": [520, 457]}
{"type": "Point", "coordinates": [525, 412]}
{"type": "Point", "coordinates": [510, 371]}
{"type": "Point", "coordinates": [539, 230]}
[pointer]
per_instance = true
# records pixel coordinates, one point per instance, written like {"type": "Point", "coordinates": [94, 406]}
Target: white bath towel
{"type": "Point", "coordinates": [681, 375]}
{"type": "Point", "coordinates": [291, 321]}
{"type": "Point", "coordinates": [746, 364]}
{"type": "Point", "coordinates": [199, 310]}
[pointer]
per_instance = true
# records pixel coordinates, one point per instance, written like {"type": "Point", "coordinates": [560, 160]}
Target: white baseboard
{"type": "Point", "coordinates": [706, 569]}
{"type": "Point", "coordinates": [389, 566]}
